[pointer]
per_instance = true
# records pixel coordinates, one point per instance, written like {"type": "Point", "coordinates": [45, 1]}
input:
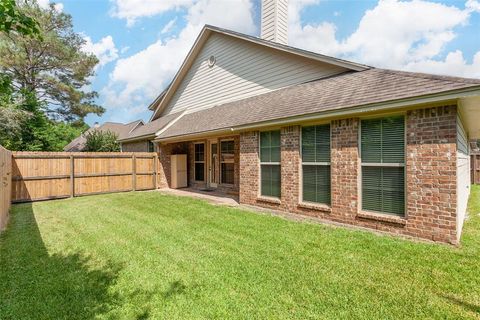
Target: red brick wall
{"type": "Point", "coordinates": [136, 146]}
{"type": "Point", "coordinates": [249, 167]}
{"type": "Point", "coordinates": [430, 175]}
{"type": "Point", "coordinates": [163, 176]}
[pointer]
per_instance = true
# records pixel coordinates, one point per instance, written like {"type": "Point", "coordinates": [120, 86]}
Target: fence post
{"type": "Point", "coordinates": [72, 176]}
{"type": "Point", "coordinates": [155, 159]}
{"type": "Point", "coordinates": [134, 172]}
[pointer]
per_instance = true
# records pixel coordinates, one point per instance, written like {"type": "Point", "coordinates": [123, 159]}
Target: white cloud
{"type": "Point", "coordinates": [142, 76]}
{"type": "Point", "coordinates": [44, 4]}
{"type": "Point", "coordinates": [104, 49]}
{"type": "Point", "coordinates": [454, 64]}
{"type": "Point", "coordinates": [472, 5]}
{"type": "Point", "coordinates": [394, 34]}
{"type": "Point", "coordinates": [131, 10]}
{"type": "Point", "coordinates": [168, 27]}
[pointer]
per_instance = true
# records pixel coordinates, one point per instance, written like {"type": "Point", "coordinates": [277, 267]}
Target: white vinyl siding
{"type": "Point", "coordinates": [463, 175]}
{"type": "Point", "coordinates": [242, 69]}
{"type": "Point", "coordinates": [275, 20]}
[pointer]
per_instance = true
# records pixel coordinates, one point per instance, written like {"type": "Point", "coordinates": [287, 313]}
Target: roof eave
{"type": "Point", "coordinates": [385, 106]}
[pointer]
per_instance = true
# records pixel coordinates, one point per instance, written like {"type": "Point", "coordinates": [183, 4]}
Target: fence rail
{"type": "Point", "coordinates": [55, 175]}
{"type": "Point", "coordinates": [5, 185]}
{"type": "Point", "coordinates": [475, 164]}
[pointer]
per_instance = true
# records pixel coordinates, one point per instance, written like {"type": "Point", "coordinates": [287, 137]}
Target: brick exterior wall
{"type": "Point", "coordinates": [136, 146]}
{"type": "Point", "coordinates": [430, 176]}
{"type": "Point", "coordinates": [431, 173]}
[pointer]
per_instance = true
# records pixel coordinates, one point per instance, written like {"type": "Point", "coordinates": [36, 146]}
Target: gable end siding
{"type": "Point", "coordinates": [241, 70]}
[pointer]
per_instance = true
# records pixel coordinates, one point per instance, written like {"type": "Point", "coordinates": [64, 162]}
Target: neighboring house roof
{"type": "Point", "coordinates": [344, 91]}
{"type": "Point", "coordinates": [122, 130]}
{"type": "Point", "coordinates": [150, 129]}
{"type": "Point", "coordinates": [162, 100]}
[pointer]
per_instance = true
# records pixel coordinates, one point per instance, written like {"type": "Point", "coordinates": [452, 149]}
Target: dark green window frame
{"type": "Point", "coordinates": [383, 165]}
{"type": "Point", "coordinates": [316, 180]}
{"type": "Point", "coordinates": [270, 175]}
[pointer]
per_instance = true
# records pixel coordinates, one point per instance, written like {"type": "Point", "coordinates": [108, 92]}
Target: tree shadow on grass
{"type": "Point", "coordinates": [464, 304]}
{"type": "Point", "coordinates": [36, 285]}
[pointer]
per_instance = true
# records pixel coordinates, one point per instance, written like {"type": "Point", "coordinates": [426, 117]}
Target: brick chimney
{"type": "Point", "coordinates": [274, 23]}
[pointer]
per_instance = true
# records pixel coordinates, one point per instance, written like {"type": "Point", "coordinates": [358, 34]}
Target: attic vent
{"type": "Point", "coordinates": [211, 61]}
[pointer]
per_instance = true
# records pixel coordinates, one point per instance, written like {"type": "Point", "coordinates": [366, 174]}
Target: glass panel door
{"type": "Point", "coordinates": [213, 165]}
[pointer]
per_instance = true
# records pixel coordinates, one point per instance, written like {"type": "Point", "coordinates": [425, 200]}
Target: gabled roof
{"type": "Point", "coordinates": [162, 100]}
{"type": "Point", "coordinates": [122, 130]}
{"type": "Point", "coordinates": [343, 92]}
{"type": "Point", "coordinates": [150, 129]}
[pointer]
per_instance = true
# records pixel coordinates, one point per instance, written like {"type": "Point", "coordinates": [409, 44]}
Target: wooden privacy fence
{"type": "Point", "coordinates": [475, 164]}
{"type": "Point", "coordinates": [54, 175]}
{"type": "Point", "coordinates": [5, 185]}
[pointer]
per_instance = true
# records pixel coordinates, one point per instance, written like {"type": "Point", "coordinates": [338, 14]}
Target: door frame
{"type": "Point", "coordinates": [213, 164]}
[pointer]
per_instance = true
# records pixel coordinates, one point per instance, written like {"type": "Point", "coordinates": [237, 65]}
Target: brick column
{"type": "Point", "coordinates": [431, 173]}
{"type": "Point", "coordinates": [345, 169]}
{"type": "Point", "coordinates": [163, 175]}
{"type": "Point", "coordinates": [290, 167]}
{"type": "Point", "coordinates": [249, 167]}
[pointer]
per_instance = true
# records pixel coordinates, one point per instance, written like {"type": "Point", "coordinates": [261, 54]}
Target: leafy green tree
{"type": "Point", "coordinates": [101, 141]}
{"type": "Point", "coordinates": [53, 66]}
{"type": "Point", "coordinates": [13, 20]}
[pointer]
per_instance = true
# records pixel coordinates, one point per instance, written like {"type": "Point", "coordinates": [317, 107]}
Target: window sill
{"type": "Point", "coordinates": [269, 200]}
{"type": "Point", "coordinates": [315, 206]}
{"type": "Point", "coordinates": [382, 217]}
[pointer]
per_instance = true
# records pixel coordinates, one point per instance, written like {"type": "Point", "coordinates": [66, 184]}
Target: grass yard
{"type": "Point", "coordinates": [147, 255]}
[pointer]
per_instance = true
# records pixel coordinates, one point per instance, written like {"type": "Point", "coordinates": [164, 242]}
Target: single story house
{"type": "Point", "coordinates": [306, 133]}
{"type": "Point", "coordinates": [120, 129]}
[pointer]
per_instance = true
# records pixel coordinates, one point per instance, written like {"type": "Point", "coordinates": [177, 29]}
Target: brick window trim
{"type": "Point", "coordinates": [378, 216]}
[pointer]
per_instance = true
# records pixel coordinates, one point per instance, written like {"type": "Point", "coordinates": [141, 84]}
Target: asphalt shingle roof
{"type": "Point", "coordinates": [343, 91]}
{"type": "Point", "coordinates": [151, 128]}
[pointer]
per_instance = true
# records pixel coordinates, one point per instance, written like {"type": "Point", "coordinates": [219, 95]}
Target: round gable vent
{"type": "Point", "coordinates": [211, 61]}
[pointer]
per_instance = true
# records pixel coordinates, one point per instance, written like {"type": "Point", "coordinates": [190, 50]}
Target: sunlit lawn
{"type": "Point", "coordinates": [147, 255]}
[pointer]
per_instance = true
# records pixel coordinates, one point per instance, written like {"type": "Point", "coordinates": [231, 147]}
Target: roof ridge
{"type": "Point", "coordinates": [423, 75]}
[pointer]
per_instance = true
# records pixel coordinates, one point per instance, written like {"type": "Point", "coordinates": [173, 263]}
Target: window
{"type": "Point", "coordinates": [383, 165]}
{"type": "Point", "coordinates": [199, 162]}
{"type": "Point", "coordinates": [270, 163]}
{"type": "Point", "coordinates": [227, 154]}
{"type": "Point", "coordinates": [151, 147]}
{"type": "Point", "coordinates": [316, 163]}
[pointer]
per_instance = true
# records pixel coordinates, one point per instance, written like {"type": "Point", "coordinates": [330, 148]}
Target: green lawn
{"type": "Point", "coordinates": [147, 255]}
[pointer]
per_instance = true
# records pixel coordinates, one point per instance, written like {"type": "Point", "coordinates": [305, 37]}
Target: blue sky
{"type": "Point", "coordinates": [141, 43]}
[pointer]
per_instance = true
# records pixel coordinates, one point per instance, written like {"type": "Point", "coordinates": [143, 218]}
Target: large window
{"type": "Point", "coordinates": [316, 163]}
{"type": "Point", "coordinates": [227, 154]}
{"type": "Point", "coordinates": [270, 163]}
{"type": "Point", "coordinates": [383, 165]}
{"type": "Point", "coordinates": [199, 162]}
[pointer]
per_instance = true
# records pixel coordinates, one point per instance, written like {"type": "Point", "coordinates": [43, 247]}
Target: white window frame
{"type": "Point", "coordinates": [229, 161]}
{"type": "Point", "coordinates": [195, 162]}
